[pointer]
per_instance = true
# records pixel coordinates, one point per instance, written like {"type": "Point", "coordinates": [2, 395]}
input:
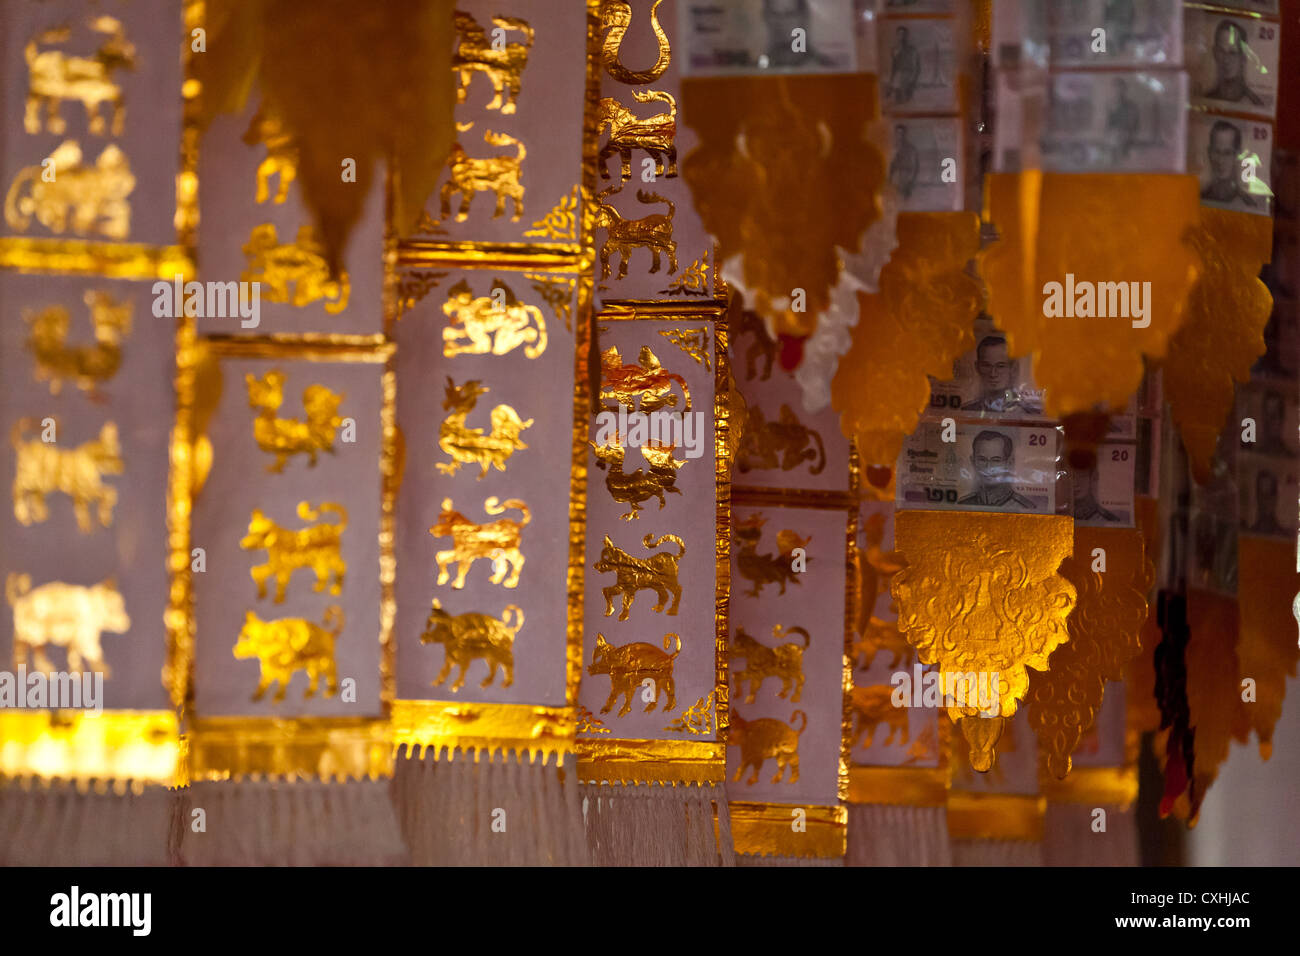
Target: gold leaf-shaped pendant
{"type": "Point", "coordinates": [1223, 332]}
{"type": "Point", "coordinates": [1112, 575]}
{"type": "Point", "coordinates": [1117, 244]}
{"type": "Point", "coordinates": [914, 327]}
{"type": "Point", "coordinates": [981, 593]}
{"type": "Point", "coordinates": [1267, 651]}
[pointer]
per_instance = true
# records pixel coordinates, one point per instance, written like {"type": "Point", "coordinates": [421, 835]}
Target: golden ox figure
{"type": "Point", "coordinates": [94, 197]}
{"type": "Point", "coordinates": [64, 615]}
{"type": "Point", "coordinates": [473, 636]}
{"type": "Point", "coordinates": [292, 644]}
{"type": "Point", "coordinates": [54, 76]}
{"type": "Point", "coordinates": [630, 665]}
{"type": "Point", "coordinates": [491, 325]}
{"type": "Point", "coordinates": [497, 540]}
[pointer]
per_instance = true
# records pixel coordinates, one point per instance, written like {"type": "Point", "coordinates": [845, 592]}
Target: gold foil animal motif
{"type": "Point", "coordinates": [44, 468]}
{"type": "Point", "coordinates": [873, 706]}
{"type": "Point", "coordinates": [54, 76]}
{"type": "Point", "coordinates": [87, 365]}
{"type": "Point", "coordinates": [501, 63]}
{"type": "Point", "coordinates": [472, 636]}
{"type": "Point", "coordinates": [630, 665]}
{"type": "Point", "coordinates": [763, 348]}
{"type": "Point", "coordinates": [767, 739]}
{"type": "Point", "coordinates": [615, 18]}
{"type": "Point", "coordinates": [94, 197]}
{"type": "Point", "coordinates": [496, 540]}
{"type": "Point", "coordinates": [655, 134]}
{"type": "Point", "coordinates": [784, 443]}
{"type": "Point", "coordinates": [292, 644]}
{"type": "Point", "coordinates": [764, 569]}
{"type": "Point", "coordinates": [653, 232]}
{"type": "Point", "coordinates": [315, 547]}
{"type": "Point", "coordinates": [656, 573]}
{"type": "Point", "coordinates": [472, 445]}
{"type": "Point", "coordinates": [285, 437]}
{"type": "Point", "coordinates": [281, 154]}
{"type": "Point", "coordinates": [876, 568]}
{"type": "Point", "coordinates": [491, 324]}
{"type": "Point", "coordinates": [64, 615]}
{"type": "Point", "coordinates": [783, 662]}
{"type": "Point", "coordinates": [640, 485]}
{"type": "Point", "coordinates": [486, 174]}
{"type": "Point", "coordinates": [300, 264]}
{"type": "Point", "coordinates": [647, 382]}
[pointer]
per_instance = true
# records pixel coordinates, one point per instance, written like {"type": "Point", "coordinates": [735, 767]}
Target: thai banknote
{"type": "Point", "coordinates": [1268, 488]}
{"type": "Point", "coordinates": [1115, 33]}
{"type": "Point", "coordinates": [1103, 495]}
{"type": "Point", "coordinates": [927, 166]}
{"type": "Point", "coordinates": [1212, 521]}
{"type": "Point", "coordinates": [1232, 159]}
{"type": "Point", "coordinates": [1012, 468]}
{"type": "Point", "coordinates": [1232, 61]}
{"type": "Point", "coordinates": [987, 382]}
{"type": "Point", "coordinates": [1115, 122]}
{"type": "Point", "coordinates": [918, 65]}
{"type": "Point", "coordinates": [753, 36]}
{"type": "Point", "coordinates": [1020, 34]}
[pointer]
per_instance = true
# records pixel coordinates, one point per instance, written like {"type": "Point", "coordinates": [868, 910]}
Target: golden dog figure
{"type": "Point", "coordinates": [471, 445]}
{"type": "Point", "coordinates": [300, 263]}
{"type": "Point", "coordinates": [871, 707]}
{"type": "Point", "coordinates": [656, 573]}
{"type": "Point", "coordinates": [467, 637]}
{"type": "Point", "coordinates": [281, 154]}
{"type": "Point", "coordinates": [479, 326]}
{"type": "Point", "coordinates": [494, 174]}
{"type": "Point", "coordinates": [653, 232]}
{"type": "Point", "coordinates": [64, 615]}
{"type": "Point", "coordinates": [767, 739]}
{"type": "Point", "coordinates": [315, 547]}
{"type": "Point", "coordinates": [94, 196]}
{"type": "Point", "coordinates": [785, 443]}
{"type": "Point", "coordinates": [87, 365]}
{"type": "Point", "coordinates": [765, 568]}
{"type": "Point", "coordinates": [647, 381]}
{"type": "Point", "coordinates": [292, 644]}
{"type": "Point", "coordinates": [639, 486]}
{"type": "Point", "coordinates": [501, 65]}
{"type": "Point", "coordinates": [497, 540]}
{"type": "Point", "coordinates": [54, 76]}
{"type": "Point", "coordinates": [44, 468]}
{"type": "Point", "coordinates": [629, 665]}
{"type": "Point", "coordinates": [627, 131]}
{"type": "Point", "coordinates": [285, 437]}
{"type": "Point", "coordinates": [784, 662]}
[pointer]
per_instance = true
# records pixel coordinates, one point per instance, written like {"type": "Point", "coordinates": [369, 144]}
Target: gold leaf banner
{"type": "Point", "coordinates": [1267, 651]}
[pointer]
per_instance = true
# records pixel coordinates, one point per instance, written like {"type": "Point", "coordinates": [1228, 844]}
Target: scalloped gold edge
{"type": "Point", "coordinates": [765, 829]}
{"type": "Point", "coordinates": [137, 745]}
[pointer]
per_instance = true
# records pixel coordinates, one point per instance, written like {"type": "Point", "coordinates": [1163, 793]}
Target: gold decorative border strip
{"type": "Point", "coordinates": [329, 748]}
{"type": "Point", "coordinates": [115, 260]}
{"type": "Point", "coordinates": [766, 829]}
{"type": "Point", "coordinates": [754, 496]}
{"type": "Point", "coordinates": [534, 257]}
{"type": "Point", "coordinates": [1095, 786]}
{"type": "Point", "coordinates": [652, 761]}
{"type": "Point", "coordinates": [706, 311]}
{"type": "Point", "coordinates": [138, 745]}
{"type": "Point", "coordinates": [470, 726]}
{"type": "Point", "coordinates": [995, 816]}
{"type": "Point", "coordinates": [319, 347]}
{"type": "Point", "coordinates": [899, 786]}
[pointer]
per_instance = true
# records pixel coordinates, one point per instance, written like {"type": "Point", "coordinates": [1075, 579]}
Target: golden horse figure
{"type": "Point", "coordinates": [472, 445]}
{"type": "Point", "coordinates": [655, 134]}
{"type": "Point", "coordinates": [93, 197]}
{"type": "Point", "coordinates": [488, 174]}
{"type": "Point", "coordinates": [64, 615]}
{"type": "Point", "coordinates": [653, 232]}
{"type": "Point", "coordinates": [501, 64]}
{"type": "Point", "coordinates": [285, 437]}
{"type": "Point", "coordinates": [316, 546]}
{"type": "Point", "coordinates": [767, 739]}
{"type": "Point", "coordinates": [488, 325]}
{"type": "Point", "coordinates": [54, 76]}
{"type": "Point", "coordinates": [615, 18]}
{"type": "Point", "coordinates": [646, 382]}
{"type": "Point", "coordinates": [497, 540]}
{"type": "Point", "coordinates": [301, 263]}
{"type": "Point", "coordinates": [292, 644]}
{"type": "Point", "coordinates": [630, 665]}
{"type": "Point", "coordinates": [87, 365]}
{"type": "Point", "coordinates": [281, 154]}
{"type": "Point", "coordinates": [472, 636]}
{"type": "Point", "coordinates": [44, 468]}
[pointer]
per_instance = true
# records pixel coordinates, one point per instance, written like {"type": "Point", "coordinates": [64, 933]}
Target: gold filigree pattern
{"type": "Point", "coordinates": [694, 280]}
{"type": "Point", "coordinates": [1105, 634]}
{"type": "Point", "coordinates": [981, 592]}
{"type": "Point", "coordinates": [694, 342]}
{"type": "Point", "coordinates": [696, 719]}
{"type": "Point", "coordinates": [589, 723]}
{"type": "Point", "coordinates": [916, 326]}
{"type": "Point", "coordinates": [1099, 228]}
{"type": "Point", "coordinates": [1223, 333]}
{"type": "Point", "coordinates": [69, 616]}
{"type": "Point", "coordinates": [1267, 651]}
{"type": "Point", "coordinates": [557, 292]}
{"type": "Point", "coordinates": [561, 222]}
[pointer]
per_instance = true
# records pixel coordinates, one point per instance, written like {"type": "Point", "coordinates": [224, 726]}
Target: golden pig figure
{"type": "Point", "coordinates": [629, 665]}
{"type": "Point", "coordinates": [64, 615]}
{"type": "Point", "coordinates": [300, 263]}
{"type": "Point", "coordinates": [501, 65]}
{"type": "Point", "coordinates": [281, 154]}
{"type": "Point", "coordinates": [497, 540]}
{"type": "Point", "coordinates": [291, 644]}
{"type": "Point", "coordinates": [653, 232]}
{"type": "Point", "coordinates": [871, 707]}
{"type": "Point", "coordinates": [285, 437]}
{"type": "Point", "coordinates": [472, 445]}
{"type": "Point", "coordinates": [655, 134]}
{"type": "Point", "coordinates": [784, 662]}
{"type": "Point", "coordinates": [639, 485]}
{"type": "Point", "coordinates": [54, 76]}
{"type": "Point", "coordinates": [494, 174]}
{"type": "Point", "coordinates": [86, 365]}
{"type": "Point", "coordinates": [316, 547]}
{"type": "Point", "coordinates": [647, 382]}
{"type": "Point", "coordinates": [656, 573]}
{"type": "Point", "coordinates": [472, 636]}
{"type": "Point", "coordinates": [481, 326]}
{"type": "Point", "coordinates": [767, 739]}
{"type": "Point", "coordinates": [44, 468]}
{"type": "Point", "coordinates": [94, 196]}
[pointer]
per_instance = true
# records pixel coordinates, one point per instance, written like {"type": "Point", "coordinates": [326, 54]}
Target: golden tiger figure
{"type": "Point", "coordinates": [494, 174]}
{"type": "Point", "coordinates": [470, 541]}
{"type": "Point", "coordinates": [784, 662]}
{"type": "Point", "coordinates": [43, 468]}
{"type": "Point", "coordinates": [478, 326]}
{"type": "Point", "coordinates": [315, 547]}
{"type": "Point", "coordinates": [64, 615]}
{"type": "Point", "coordinates": [94, 196]}
{"type": "Point", "coordinates": [502, 66]}
{"type": "Point", "coordinates": [54, 76]}
{"type": "Point", "coordinates": [628, 665]}
{"type": "Point", "coordinates": [292, 644]}
{"type": "Point", "coordinates": [87, 365]}
{"type": "Point", "coordinates": [466, 637]}
{"type": "Point", "coordinates": [871, 707]}
{"type": "Point", "coordinates": [646, 382]}
{"type": "Point", "coordinates": [472, 445]}
{"type": "Point", "coordinates": [300, 263]}
{"type": "Point", "coordinates": [653, 232]}
{"type": "Point", "coordinates": [281, 154]}
{"type": "Point", "coordinates": [285, 437]}
{"type": "Point", "coordinates": [767, 739]}
{"type": "Point", "coordinates": [656, 573]}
